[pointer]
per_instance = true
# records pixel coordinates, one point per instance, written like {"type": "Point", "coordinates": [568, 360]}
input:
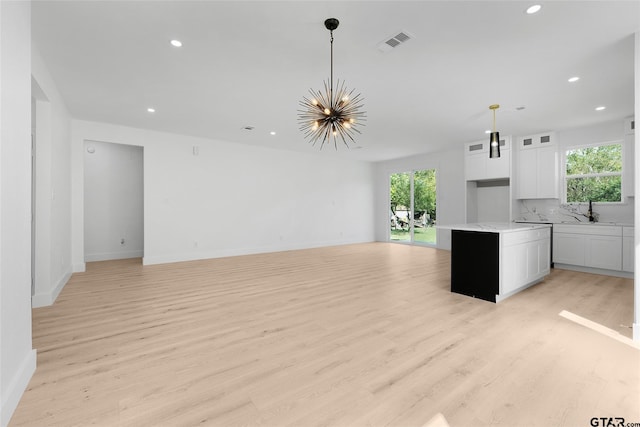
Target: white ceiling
{"type": "Point", "coordinates": [250, 63]}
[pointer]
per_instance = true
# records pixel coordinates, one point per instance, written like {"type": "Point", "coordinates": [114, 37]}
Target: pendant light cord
{"type": "Point", "coordinates": [331, 79]}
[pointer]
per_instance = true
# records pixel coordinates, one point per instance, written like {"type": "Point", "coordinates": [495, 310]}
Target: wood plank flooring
{"type": "Point", "coordinates": [356, 335]}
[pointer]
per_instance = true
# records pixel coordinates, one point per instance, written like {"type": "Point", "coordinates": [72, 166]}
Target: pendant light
{"type": "Point", "coordinates": [333, 114]}
{"type": "Point", "coordinates": [494, 139]}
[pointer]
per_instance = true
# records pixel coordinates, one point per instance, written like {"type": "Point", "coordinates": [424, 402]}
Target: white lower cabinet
{"type": "Point", "coordinates": [568, 248]}
{"type": "Point", "coordinates": [604, 252]}
{"type": "Point", "coordinates": [595, 246]}
{"type": "Point", "coordinates": [525, 259]}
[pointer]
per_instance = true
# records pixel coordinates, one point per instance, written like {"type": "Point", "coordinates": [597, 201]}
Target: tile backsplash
{"type": "Point", "coordinates": [553, 211]}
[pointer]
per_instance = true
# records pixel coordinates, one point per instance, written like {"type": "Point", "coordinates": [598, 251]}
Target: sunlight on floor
{"type": "Point", "coordinates": [599, 328]}
{"type": "Point", "coordinates": [437, 421]}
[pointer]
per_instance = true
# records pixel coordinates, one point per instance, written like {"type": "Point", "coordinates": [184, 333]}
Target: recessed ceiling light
{"type": "Point", "coordinates": [534, 9]}
{"type": "Point", "coordinates": [176, 43]}
{"type": "Point", "coordinates": [574, 79]}
{"type": "Point", "coordinates": [272, 133]}
{"type": "Point", "coordinates": [600, 108]}
{"type": "Point", "coordinates": [151, 110]}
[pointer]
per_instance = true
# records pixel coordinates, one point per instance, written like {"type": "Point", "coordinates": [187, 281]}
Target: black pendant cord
{"type": "Point", "coordinates": [331, 79]}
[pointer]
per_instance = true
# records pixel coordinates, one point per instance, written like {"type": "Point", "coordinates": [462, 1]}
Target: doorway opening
{"type": "Point", "coordinates": [113, 201]}
{"type": "Point", "coordinates": [412, 207]}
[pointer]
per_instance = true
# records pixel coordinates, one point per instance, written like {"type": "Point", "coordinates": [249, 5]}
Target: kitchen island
{"type": "Point", "coordinates": [493, 261]}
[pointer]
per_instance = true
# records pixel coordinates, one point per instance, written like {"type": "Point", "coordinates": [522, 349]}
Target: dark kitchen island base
{"type": "Point", "coordinates": [493, 261]}
{"type": "Point", "coordinates": [475, 264]}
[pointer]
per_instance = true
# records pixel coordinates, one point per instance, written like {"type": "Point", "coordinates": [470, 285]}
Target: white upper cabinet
{"type": "Point", "coordinates": [478, 165]}
{"type": "Point", "coordinates": [538, 166]}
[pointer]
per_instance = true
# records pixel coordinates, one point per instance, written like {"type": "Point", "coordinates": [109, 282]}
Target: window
{"type": "Point", "coordinates": [594, 173]}
{"type": "Point", "coordinates": [412, 198]}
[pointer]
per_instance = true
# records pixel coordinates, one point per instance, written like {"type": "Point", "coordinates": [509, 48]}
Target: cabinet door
{"type": "Point", "coordinates": [604, 252]}
{"type": "Point", "coordinates": [499, 167]}
{"type": "Point", "coordinates": [476, 166]}
{"type": "Point", "coordinates": [547, 173]}
{"type": "Point", "coordinates": [628, 254]}
{"type": "Point", "coordinates": [544, 257]}
{"type": "Point", "coordinates": [527, 174]}
{"type": "Point", "coordinates": [569, 249]}
{"type": "Point", "coordinates": [514, 268]}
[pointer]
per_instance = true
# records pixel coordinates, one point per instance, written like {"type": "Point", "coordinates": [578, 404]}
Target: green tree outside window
{"type": "Point", "coordinates": [594, 173]}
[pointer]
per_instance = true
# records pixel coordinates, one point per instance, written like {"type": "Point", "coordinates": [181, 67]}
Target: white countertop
{"type": "Point", "coordinates": [619, 224]}
{"type": "Point", "coordinates": [494, 227]}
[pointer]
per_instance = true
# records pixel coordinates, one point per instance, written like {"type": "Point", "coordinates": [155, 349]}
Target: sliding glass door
{"type": "Point", "coordinates": [412, 207]}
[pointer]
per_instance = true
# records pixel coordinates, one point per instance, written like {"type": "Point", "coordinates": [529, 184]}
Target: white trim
{"type": "Point", "coordinates": [48, 298]}
{"type": "Point", "coordinates": [17, 386]}
{"type": "Point", "coordinates": [592, 270]}
{"type": "Point", "coordinates": [195, 256]}
{"type": "Point", "coordinates": [113, 255]}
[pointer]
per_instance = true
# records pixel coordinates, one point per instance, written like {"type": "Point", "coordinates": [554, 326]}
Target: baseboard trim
{"type": "Point", "coordinates": [46, 299]}
{"type": "Point", "coordinates": [194, 256]}
{"type": "Point", "coordinates": [614, 273]}
{"type": "Point", "coordinates": [17, 386]}
{"type": "Point", "coordinates": [113, 255]}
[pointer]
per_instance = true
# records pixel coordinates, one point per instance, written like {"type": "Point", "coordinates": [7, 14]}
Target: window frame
{"type": "Point", "coordinates": [622, 172]}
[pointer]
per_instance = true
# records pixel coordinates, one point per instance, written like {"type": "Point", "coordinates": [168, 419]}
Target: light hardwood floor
{"type": "Point", "coordinates": [349, 336]}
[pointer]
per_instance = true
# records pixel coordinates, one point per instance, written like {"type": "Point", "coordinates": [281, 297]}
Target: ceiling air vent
{"type": "Point", "coordinates": [394, 41]}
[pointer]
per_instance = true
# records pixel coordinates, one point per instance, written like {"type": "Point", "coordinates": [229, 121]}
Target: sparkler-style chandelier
{"type": "Point", "coordinates": [494, 139]}
{"type": "Point", "coordinates": [334, 114]}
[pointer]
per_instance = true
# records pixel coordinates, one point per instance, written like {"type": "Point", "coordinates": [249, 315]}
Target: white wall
{"type": "Point", "coordinates": [17, 359]}
{"type": "Point", "coordinates": [232, 199]}
{"type": "Point", "coordinates": [493, 203]}
{"type": "Point", "coordinates": [113, 201]}
{"type": "Point", "coordinates": [53, 186]}
{"type": "Point", "coordinates": [450, 188]}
